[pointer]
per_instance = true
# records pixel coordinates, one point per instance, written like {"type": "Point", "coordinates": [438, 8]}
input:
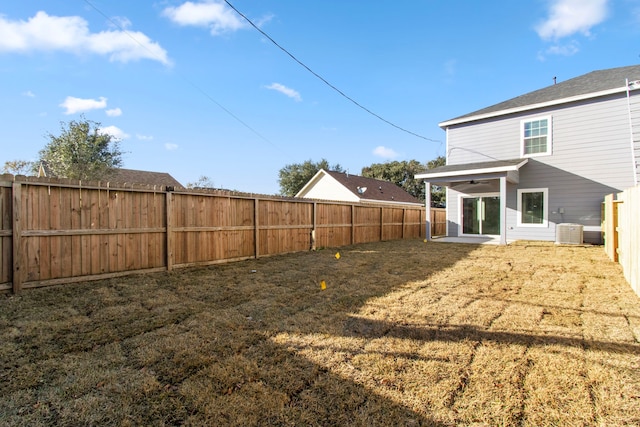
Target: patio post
{"type": "Point", "coordinates": [427, 202]}
{"type": "Point", "coordinates": [503, 210]}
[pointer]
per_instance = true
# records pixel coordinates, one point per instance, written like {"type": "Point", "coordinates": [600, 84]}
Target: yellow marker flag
{"type": "Point", "coordinates": [337, 255]}
{"type": "Point", "coordinates": [323, 285]}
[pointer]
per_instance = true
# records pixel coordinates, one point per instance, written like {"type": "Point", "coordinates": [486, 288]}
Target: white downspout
{"type": "Point", "coordinates": [633, 157]}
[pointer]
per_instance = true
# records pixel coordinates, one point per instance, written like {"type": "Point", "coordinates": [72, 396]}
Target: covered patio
{"type": "Point", "coordinates": [472, 178]}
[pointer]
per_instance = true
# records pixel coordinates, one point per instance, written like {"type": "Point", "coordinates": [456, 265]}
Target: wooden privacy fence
{"type": "Point", "coordinates": [621, 225]}
{"type": "Point", "coordinates": [62, 231]}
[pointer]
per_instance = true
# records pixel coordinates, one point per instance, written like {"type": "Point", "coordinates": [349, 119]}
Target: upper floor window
{"type": "Point", "coordinates": [535, 136]}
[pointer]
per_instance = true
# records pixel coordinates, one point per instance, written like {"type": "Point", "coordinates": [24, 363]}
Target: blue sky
{"type": "Point", "coordinates": [191, 88]}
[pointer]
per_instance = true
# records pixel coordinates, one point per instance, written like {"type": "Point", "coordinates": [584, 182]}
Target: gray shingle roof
{"type": "Point", "coordinates": [132, 176]}
{"type": "Point", "coordinates": [595, 81]}
{"type": "Point", "coordinates": [378, 190]}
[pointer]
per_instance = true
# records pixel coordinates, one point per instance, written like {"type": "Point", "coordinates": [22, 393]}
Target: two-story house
{"type": "Point", "coordinates": [517, 169]}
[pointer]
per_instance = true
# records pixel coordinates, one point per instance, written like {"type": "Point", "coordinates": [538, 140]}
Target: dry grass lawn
{"type": "Point", "coordinates": [405, 333]}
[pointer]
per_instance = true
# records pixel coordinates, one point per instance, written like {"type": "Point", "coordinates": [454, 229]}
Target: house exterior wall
{"type": "Point", "coordinates": [328, 188]}
{"type": "Point", "coordinates": [591, 157]}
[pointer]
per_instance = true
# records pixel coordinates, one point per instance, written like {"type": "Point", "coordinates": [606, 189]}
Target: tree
{"type": "Point", "coordinates": [437, 162]}
{"type": "Point", "coordinates": [202, 182]}
{"type": "Point", "coordinates": [294, 176]}
{"type": "Point", "coordinates": [438, 193]}
{"type": "Point", "coordinates": [81, 151]}
{"type": "Point", "coordinates": [19, 167]}
{"type": "Point", "coordinates": [400, 173]}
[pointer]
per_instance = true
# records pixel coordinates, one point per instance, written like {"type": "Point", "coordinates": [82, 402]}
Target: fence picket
{"type": "Point", "coordinates": [61, 231]}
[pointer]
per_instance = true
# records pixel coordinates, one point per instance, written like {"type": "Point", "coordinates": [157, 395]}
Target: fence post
{"type": "Point", "coordinates": [256, 221]}
{"type": "Point", "coordinates": [381, 224]}
{"type": "Point", "coordinates": [610, 224]}
{"type": "Point", "coordinates": [18, 245]}
{"type": "Point", "coordinates": [169, 231]}
{"type": "Point", "coordinates": [353, 224]}
{"type": "Point", "coordinates": [313, 230]}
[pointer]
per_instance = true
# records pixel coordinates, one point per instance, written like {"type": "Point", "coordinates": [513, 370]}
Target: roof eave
{"type": "Point", "coordinates": [507, 111]}
{"type": "Point", "coordinates": [314, 179]}
{"type": "Point", "coordinates": [461, 172]}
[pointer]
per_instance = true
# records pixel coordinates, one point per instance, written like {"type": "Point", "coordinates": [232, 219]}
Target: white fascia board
{"type": "Point", "coordinates": [447, 123]}
{"type": "Point", "coordinates": [304, 190]}
{"type": "Point", "coordinates": [480, 171]}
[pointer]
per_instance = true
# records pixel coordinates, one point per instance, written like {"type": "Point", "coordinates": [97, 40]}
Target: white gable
{"type": "Point", "coordinates": [325, 187]}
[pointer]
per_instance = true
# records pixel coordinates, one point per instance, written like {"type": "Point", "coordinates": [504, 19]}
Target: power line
{"type": "Point", "coordinates": [192, 84]}
{"type": "Point", "coordinates": [323, 79]}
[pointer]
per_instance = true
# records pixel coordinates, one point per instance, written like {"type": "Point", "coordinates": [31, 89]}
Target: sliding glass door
{"type": "Point", "coordinates": [481, 215]}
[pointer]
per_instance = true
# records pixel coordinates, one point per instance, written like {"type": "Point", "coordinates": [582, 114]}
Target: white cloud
{"type": "Point", "coordinates": [120, 22]}
{"type": "Point", "coordinates": [568, 49]}
{"type": "Point", "coordinates": [450, 67]}
{"type": "Point", "coordinates": [29, 94]}
{"type": "Point", "coordinates": [291, 93]}
{"type": "Point", "coordinates": [78, 105]}
{"type": "Point", "coordinates": [210, 14]}
{"type": "Point", "coordinates": [144, 137]}
{"type": "Point", "coordinates": [114, 131]}
{"type": "Point", "coordinates": [567, 17]}
{"type": "Point", "coordinates": [71, 34]}
{"type": "Point", "coordinates": [385, 153]}
{"type": "Point", "coordinates": [264, 20]}
{"type": "Point", "coordinates": [170, 147]}
{"type": "Point", "coordinates": [114, 112]}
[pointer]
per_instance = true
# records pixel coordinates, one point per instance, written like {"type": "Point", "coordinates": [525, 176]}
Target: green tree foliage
{"type": "Point", "coordinates": [438, 161]}
{"type": "Point", "coordinates": [438, 194]}
{"type": "Point", "coordinates": [19, 167]}
{"type": "Point", "coordinates": [400, 173]}
{"type": "Point", "coordinates": [403, 174]}
{"type": "Point", "coordinates": [294, 176]}
{"type": "Point", "coordinates": [81, 151]}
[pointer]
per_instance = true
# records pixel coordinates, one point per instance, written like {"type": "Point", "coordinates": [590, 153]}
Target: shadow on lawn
{"type": "Point", "coordinates": [372, 329]}
{"type": "Point", "coordinates": [153, 351]}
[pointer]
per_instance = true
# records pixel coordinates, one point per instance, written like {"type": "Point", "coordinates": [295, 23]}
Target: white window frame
{"type": "Point", "coordinates": [549, 136]}
{"type": "Point", "coordinates": [545, 210]}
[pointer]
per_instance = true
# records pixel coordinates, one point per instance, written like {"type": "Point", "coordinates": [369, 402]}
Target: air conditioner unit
{"type": "Point", "coordinates": [569, 234]}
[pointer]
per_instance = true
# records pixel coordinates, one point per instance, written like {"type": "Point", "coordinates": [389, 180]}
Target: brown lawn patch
{"type": "Point", "coordinates": [405, 333]}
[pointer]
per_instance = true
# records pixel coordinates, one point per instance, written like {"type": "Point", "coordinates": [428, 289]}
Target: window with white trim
{"type": "Point", "coordinates": [535, 136]}
{"type": "Point", "coordinates": [533, 207]}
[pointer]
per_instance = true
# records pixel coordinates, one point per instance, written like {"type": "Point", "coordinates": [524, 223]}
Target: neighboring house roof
{"type": "Point", "coordinates": [364, 189]}
{"type": "Point", "coordinates": [143, 177]}
{"type": "Point", "coordinates": [127, 176]}
{"type": "Point", "coordinates": [590, 85]}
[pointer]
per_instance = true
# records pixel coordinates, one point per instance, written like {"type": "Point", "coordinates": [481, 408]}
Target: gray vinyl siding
{"type": "Point", "coordinates": [452, 212]}
{"type": "Point", "coordinates": [591, 156]}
